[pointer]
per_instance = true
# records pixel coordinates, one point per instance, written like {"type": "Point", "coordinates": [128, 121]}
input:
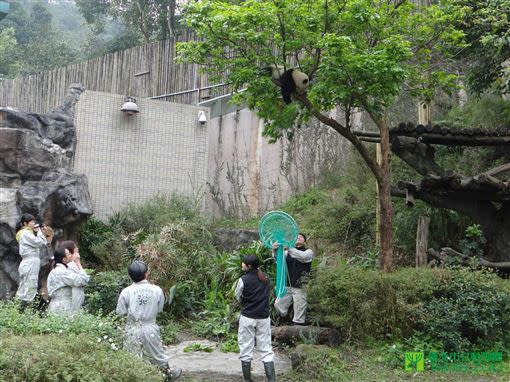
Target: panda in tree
{"type": "Point", "coordinates": [291, 81]}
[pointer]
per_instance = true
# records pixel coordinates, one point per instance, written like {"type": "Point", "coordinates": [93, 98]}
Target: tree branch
{"type": "Point", "coordinates": [498, 170]}
{"type": "Point", "coordinates": [482, 211]}
{"type": "Point", "coordinates": [349, 135]}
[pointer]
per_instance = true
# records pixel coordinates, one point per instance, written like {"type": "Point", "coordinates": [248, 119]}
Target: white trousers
{"type": "Point", "coordinates": [296, 296]}
{"type": "Point", "coordinates": [144, 340]}
{"type": "Point", "coordinates": [249, 329]}
{"type": "Point", "coordinates": [28, 278]}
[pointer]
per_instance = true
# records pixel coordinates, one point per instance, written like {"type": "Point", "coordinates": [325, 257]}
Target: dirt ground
{"type": "Point", "coordinates": [217, 366]}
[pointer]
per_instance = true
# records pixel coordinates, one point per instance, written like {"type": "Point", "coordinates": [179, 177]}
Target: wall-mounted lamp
{"type": "Point", "coordinates": [130, 107]}
{"type": "Point", "coordinates": [202, 119]}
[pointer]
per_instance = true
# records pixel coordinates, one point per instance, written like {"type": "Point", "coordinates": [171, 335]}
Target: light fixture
{"type": "Point", "coordinates": [130, 107]}
{"type": "Point", "coordinates": [202, 119]}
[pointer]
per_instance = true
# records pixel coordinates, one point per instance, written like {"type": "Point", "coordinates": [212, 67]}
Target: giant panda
{"type": "Point", "coordinates": [291, 81]}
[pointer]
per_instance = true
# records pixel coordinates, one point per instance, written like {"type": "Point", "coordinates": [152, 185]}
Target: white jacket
{"type": "Point", "coordinates": [61, 280]}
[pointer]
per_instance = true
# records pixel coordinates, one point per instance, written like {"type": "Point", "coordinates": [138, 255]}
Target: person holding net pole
{"type": "Point", "coordinates": [298, 261]}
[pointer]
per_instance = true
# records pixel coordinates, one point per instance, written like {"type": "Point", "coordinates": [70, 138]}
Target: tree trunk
{"type": "Point", "coordinates": [422, 236]}
{"type": "Point", "coordinates": [385, 224]}
{"type": "Point", "coordinates": [497, 234]}
{"type": "Point", "coordinates": [381, 172]}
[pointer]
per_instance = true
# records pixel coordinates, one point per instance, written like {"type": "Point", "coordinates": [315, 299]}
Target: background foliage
{"type": "Point", "coordinates": [459, 309]}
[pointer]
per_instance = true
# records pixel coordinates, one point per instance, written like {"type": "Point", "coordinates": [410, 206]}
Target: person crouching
{"type": "Point", "coordinates": [252, 291]}
{"type": "Point", "coordinates": [141, 302]}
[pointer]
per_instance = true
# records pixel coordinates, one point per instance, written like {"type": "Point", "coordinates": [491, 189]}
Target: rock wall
{"type": "Point", "coordinates": [230, 239]}
{"type": "Point", "coordinates": [36, 154]}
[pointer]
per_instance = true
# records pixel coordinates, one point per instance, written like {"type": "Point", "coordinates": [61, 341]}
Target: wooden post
{"type": "Point", "coordinates": [422, 231]}
{"type": "Point", "coordinates": [424, 113]}
{"type": "Point", "coordinates": [422, 238]}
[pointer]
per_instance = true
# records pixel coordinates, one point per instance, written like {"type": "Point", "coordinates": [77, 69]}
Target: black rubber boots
{"type": "Point", "coordinates": [270, 372]}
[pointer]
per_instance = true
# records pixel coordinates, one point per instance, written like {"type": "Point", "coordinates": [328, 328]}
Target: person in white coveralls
{"type": "Point", "coordinates": [31, 239]}
{"type": "Point", "coordinates": [78, 293]}
{"type": "Point", "coordinates": [140, 303]}
{"type": "Point", "coordinates": [62, 279]}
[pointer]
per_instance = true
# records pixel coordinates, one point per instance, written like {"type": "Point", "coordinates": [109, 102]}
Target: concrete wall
{"type": "Point", "coordinates": [127, 159]}
{"type": "Point", "coordinates": [163, 149]}
{"type": "Point", "coordinates": [247, 175]}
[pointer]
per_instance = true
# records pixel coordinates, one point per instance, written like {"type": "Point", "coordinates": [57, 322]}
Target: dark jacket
{"type": "Point", "coordinates": [255, 296]}
{"type": "Point", "coordinates": [298, 271]}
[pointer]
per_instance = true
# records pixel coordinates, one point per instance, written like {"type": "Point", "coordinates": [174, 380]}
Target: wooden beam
{"type": "Point", "coordinates": [441, 139]}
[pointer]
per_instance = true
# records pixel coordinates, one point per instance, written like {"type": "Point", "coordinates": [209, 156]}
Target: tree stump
{"type": "Point", "coordinates": [310, 334]}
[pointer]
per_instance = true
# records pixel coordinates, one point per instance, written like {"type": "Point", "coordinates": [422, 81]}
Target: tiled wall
{"type": "Point", "coordinates": [127, 159]}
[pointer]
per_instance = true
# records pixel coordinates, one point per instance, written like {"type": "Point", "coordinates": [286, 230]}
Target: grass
{"type": "Point", "coordinates": [348, 364]}
{"type": "Point", "coordinates": [354, 364]}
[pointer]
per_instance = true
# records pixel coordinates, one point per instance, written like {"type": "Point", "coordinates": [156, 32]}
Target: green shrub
{"type": "Point", "coordinates": [156, 212]}
{"type": "Point", "coordinates": [169, 332]}
{"type": "Point", "coordinates": [343, 216]}
{"type": "Point", "coordinates": [473, 243]}
{"type": "Point", "coordinates": [318, 363]}
{"type": "Point", "coordinates": [197, 347]}
{"type": "Point", "coordinates": [470, 308]}
{"type": "Point", "coordinates": [112, 245]}
{"type": "Point", "coordinates": [92, 233]}
{"type": "Point", "coordinates": [230, 344]}
{"type": "Point", "coordinates": [182, 254]}
{"type": "Point", "coordinates": [28, 323]}
{"type": "Point", "coordinates": [103, 291]}
{"type": "Point", "coordinates": [70, 358]}
{"type": "Point", "coordinates": [459, 308]}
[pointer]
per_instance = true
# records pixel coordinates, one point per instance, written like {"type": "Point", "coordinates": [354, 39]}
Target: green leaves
{"type": "Point", "coordinates": [8, 62]}
{"type": "Point", "coordinates": [357, 53]}
{"type": "Point", "coordinates": [487, 29]}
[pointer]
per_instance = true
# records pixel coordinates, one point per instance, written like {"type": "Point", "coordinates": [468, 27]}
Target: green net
{"type": "Point", "coordinates": [278, 226]}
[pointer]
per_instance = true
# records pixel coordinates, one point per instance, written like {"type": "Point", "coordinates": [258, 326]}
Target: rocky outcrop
{"type": "Point", "coordinates": [230, 239]}
{"type": "Point", "coordinates": [36, 153]}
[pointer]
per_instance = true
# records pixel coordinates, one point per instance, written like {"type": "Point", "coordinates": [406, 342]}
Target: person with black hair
{"type": "Point", "coordinates": [141, 302]}
{"type": "Point", "coordinates": [31, 239]}
{"type": "Point", "coordinates": [78, 293]}
{"type": "Point", "coordinates": [62, 280]}
{"type": "Point", "coordinates": [299, 263]}
{"type": "Point", "coordinates": [252, 291]}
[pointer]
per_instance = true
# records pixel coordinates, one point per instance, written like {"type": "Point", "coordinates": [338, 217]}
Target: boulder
{"type": "Point", "coordinates": [25, 153]}
{"type": "Point", "coordinates": [9, 210]}
{"type": "Point", "coordinates": [9, 261]}
{"type": "Point", "coordinates": [228, 239]}
{"type": "Point", "coordinates": [9, 180]}
{"type": "Point", "coordinates": [59, 198]}
{"type": "Point", "coordinates": [36, 153]}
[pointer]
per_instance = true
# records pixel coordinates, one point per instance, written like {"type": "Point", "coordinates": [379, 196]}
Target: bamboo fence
{"type": "Point", "coordinates": [145, 71]}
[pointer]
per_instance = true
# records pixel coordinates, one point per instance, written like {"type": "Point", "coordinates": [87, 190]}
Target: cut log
{"type": "Point", "coordinates": [310, 334]}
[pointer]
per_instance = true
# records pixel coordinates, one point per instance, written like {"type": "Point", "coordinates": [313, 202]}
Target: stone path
{"type": "Point", "coordinates": [218, 366]}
